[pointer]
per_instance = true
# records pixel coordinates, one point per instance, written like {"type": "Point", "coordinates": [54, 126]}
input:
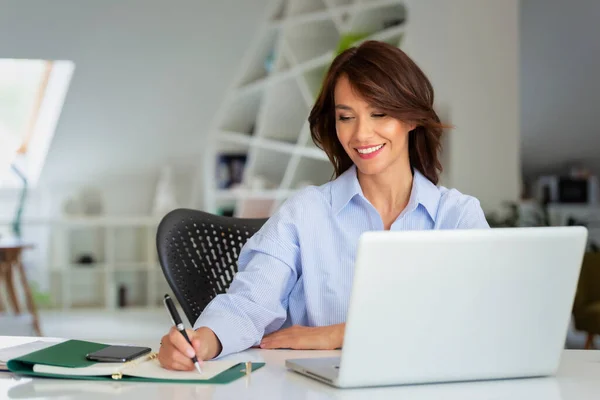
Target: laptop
{"type": "Point", "coordinates": [455, 305]}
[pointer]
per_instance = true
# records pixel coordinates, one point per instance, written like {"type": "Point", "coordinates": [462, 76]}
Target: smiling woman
{"type": "Point", "coordinates": [379, 83]}
{"type": "Point", "coordinates": [375, 120]}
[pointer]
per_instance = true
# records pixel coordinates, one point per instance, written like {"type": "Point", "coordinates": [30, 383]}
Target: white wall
{"type": "Point", "coordinates": [149, 76]}
{"type": "Point", "coordinates": [470, 51]}
{"type": "Point", "coordinates": [560, 91]}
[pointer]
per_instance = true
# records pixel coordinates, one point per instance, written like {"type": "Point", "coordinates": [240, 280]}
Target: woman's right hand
{"type": "Point", "coordinates": [176, 353]}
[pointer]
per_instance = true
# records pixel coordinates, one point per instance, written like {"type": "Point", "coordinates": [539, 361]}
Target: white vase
{"type": "Point", "coordinates": [165, 199]}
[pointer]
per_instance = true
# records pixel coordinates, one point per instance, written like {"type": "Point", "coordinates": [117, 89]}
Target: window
{"type": "Point", "coordinates": [32, 94]}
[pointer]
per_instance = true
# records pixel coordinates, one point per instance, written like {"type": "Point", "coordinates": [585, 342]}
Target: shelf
{"type": "Point", "coordinates": [242, 139]}
{"type": "Point", "coordinates": [90, 221]}
{"type": "Point", "coordinates": [314, 79]}
{"type": "Point", "coordinates": [235, 194]}
{"type": "Point", "coordinates": [128, 245]}
{"type": "Point", "coordinates": [283, 147]}
{"type": "Point", "coordinates": [264, 143]}
{"type": "Point", "coordinates": [109, 221]}
{"type": "Point", "coordinates": [101, 268]}
{"type": "Point", "coordinates": [311, 172]}
{"type": "Point", "coordinates": [277, 12]}
{"type": "Point", "coordinates": [299, 20]}
{"type": "Point", "coordinates": [313, 152]}
{"type": "Point", "coordinates": [275, 145]}
{"type": "Point", "coordinates": [125, 250]}
{"type": "Point", "coordinates": [373, 19]}
{"type": "Point", "coordinates": [263, 58]}
{"type": "Point", "coordinates": [336, 9]}
{"type": "Point", "coordinates": [285, 112]}
{"type": "Point", "coordinates": [311, 40]}
{"type": "Point", "coordinates": [299, 7]}
{"type": "Point", "coordinates": [269, 166]}
{"type": "Point", "coordinates": [281, 157]}
{"type": "Point", "coordinates": [135, 283]}
{"type": "Point", "coordinates": [362, 5]}
{"type": "Point", "coordinates": [243, 112]}
{"type": "Point", "coordinates": [98, 268]}
{"type": "Point", "coordinates": [340, 3]}
{"type": "Point", "coordinates": [131, 266]}
{"type": "Point", "coordinates": [320, 61]}
{"type": "Point", "coordinates": [341, 11]}
{"type": "Point", "coordinates": [227, 145]}
{"type": "Point", "coordinates": [86, 290]}
{"type": "Point", "coordinates": [284, 61]}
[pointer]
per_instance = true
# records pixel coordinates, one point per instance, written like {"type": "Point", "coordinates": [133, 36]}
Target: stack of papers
{"type": "Point", "coordinates": [8, 353]}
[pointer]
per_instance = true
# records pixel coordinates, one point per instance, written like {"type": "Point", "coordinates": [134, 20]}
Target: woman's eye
{"type": "Point", "coordinates": [344, 118]}
{"type": "Point", "coordinates": [378, 115]}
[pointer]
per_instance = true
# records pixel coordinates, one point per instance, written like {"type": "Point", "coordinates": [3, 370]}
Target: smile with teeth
{"type": "Point", "coordinates": [369, 150]}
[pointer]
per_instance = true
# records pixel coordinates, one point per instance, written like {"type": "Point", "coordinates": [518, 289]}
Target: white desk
{"type": "Point", "coordinates": [578, 378]}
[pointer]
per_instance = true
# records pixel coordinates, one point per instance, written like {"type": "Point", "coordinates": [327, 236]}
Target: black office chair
{"type": "Point", "coordinates": [198, 254]}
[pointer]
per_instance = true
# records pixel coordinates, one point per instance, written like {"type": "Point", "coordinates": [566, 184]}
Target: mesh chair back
{"type": "Point", "coordinates": [198, 254]}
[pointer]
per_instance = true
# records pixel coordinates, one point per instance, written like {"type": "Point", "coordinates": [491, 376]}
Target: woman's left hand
{"type": "Point", "coordinates": [305, 338]}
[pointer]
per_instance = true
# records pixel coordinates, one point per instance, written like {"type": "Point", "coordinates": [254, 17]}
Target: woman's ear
{"type": "Point", "coordinates": [411, 125]}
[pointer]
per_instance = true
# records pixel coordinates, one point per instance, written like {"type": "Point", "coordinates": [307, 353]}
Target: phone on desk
{"type": "Point", "coordinates": [117, 354]}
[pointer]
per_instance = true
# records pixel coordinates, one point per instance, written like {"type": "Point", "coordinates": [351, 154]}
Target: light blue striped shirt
{"type": "Point", "coordinates": [298, 269]}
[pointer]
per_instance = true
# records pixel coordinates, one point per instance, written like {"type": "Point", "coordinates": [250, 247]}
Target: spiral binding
{"type": "Point", "coordinates": [119, 375]}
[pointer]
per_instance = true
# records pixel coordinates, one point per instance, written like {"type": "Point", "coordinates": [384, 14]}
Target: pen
{"type": "Point", "coordinates": [179, 325]}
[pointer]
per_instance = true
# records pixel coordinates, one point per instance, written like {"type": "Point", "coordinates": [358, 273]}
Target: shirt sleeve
{"type": "Point", "coordinates": [257, 300]}
{"type": "Point", "coordinates": [472, 216]}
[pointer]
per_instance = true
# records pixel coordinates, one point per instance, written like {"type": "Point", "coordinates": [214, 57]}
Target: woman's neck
{"type": "Point", "coordinates": [389, 191]}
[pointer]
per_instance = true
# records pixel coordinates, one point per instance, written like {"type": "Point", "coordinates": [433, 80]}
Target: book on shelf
{"type": "Point", "coordinates": [230, 170]}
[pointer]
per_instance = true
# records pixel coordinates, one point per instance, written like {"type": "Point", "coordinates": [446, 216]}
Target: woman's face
{"type": "Point", "coordinates": [373, 140]}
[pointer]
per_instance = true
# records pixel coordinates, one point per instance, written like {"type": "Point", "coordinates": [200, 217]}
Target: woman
{"type": "Point", "coordinates": [374, 119]}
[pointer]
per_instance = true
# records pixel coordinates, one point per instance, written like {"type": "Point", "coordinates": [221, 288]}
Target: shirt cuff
{"type": "Point", "coordinates": [228, 329]}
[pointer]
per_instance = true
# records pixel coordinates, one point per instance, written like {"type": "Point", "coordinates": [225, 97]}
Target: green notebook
{"type": "Point", "coordinates": [67, 360]}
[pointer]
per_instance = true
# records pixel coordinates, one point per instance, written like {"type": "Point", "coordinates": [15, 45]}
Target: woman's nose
{"type": "Point", "coordinates": [363, 130]}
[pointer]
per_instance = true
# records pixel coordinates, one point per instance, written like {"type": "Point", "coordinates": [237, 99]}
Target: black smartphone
{"type": "Point", "coordinates": [118, 353]}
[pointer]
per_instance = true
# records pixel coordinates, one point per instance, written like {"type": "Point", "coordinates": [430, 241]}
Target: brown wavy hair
{"type": "Point", "coordinates": [386, 78]}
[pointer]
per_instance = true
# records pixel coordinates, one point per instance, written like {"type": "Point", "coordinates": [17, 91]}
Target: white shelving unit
{"type": "Point", "coordinates": [264, 115]}
{"type": "Point", "coordinates": [124, 255]}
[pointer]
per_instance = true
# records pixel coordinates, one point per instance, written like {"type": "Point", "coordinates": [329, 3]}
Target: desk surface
{"type": "Point", "coordinates": [578, 378]}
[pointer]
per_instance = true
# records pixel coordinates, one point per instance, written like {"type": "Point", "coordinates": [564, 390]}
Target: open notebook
{"type": "Point", "coordinates": [9, 353]}
{"type": "Point", "coordinates": [67, 360]}
{"type": "Point", "coordinates": [143, 367]}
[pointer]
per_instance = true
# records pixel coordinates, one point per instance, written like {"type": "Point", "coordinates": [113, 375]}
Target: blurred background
{"type": "Point", "coordinates": [113, 113]}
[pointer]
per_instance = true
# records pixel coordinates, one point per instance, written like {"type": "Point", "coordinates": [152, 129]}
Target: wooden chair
{"type": "Point", "coordinates": [10, 263]}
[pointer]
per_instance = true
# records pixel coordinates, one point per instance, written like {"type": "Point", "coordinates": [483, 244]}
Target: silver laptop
{"type": "Point", "coordinates": [456, 305]}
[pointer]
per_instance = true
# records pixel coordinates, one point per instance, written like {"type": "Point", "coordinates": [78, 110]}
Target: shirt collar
{"type": "Point", "coordinates": [344, 188]}
{"type": "Point", "coordinates": [423, 192]}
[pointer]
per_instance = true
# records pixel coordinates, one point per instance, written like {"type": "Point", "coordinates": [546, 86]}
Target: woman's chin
{"type": "Point", "coordinates": [369, 167]}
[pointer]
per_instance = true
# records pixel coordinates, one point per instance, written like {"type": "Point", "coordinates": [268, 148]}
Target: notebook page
{"type": "Point", "coordinates": [153, 370]}
{"type": "Point", "coordinates": [99, 369]}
